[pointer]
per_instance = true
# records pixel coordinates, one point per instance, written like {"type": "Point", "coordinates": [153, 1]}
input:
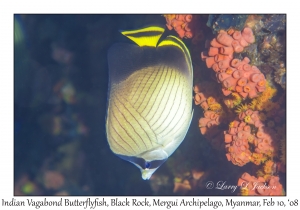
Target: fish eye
{"type": "Point", "coordinates": [147, 165]}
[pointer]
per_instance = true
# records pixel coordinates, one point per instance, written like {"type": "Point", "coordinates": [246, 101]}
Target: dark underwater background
{"type": "Point", "coordinates": [60, 96]}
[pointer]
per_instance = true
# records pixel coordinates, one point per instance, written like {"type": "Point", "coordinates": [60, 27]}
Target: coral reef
{"type": "Point", "coordinates": [219, 22]}
{"type": "Point", "coordinates": [181, 24]}
{"type": "Point", "coordinates": [251, 185]}
{"type": "Point", "coordinates": [236, 76]}
{"type": "Point", "coordinates": [249, 76]}
{"type": "Point", "coordinates": [237, 143]}
{"type": "Point", "coordinates": [272, 57]}
{"type": "Point", "coordinates": [269, 169]}
{"type": "Point", "coordinates": [249, 129]}
{"type": "Point", "coordinates": [269, 52]}
{"type": "Point", "coordinates": [275, 23]}
{"type": "Point", "coordinates": [213, 114]}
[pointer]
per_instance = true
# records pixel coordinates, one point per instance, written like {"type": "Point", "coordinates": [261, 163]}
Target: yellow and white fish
{"type": "Point", "coordinates": [150, 98]}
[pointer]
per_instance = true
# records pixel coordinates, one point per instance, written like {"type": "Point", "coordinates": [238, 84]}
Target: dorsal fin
{"type": "Point", "coordinates": [176, 42]}
{"type": "Point", "coordinates": [148, 36]}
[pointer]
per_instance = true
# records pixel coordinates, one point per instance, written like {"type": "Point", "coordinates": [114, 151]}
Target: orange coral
{"type": "Point", "coordinates": [205, 96]}
{"type": "Point", "coordinates": [259, 186]}
{"type": "Point", "coordinates": [234, 75]}
{"type": "Point", "coordinates": [181, 24]}
{"type": "Point", "coordinates": [249, 129]}
{"type": "Point", "coordinates": [237, 144]}
{"type": "Point", "coordinates": [209, 120]}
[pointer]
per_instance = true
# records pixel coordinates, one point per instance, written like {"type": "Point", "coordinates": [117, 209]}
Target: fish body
{"type": "Point", "coordinates": [150, 98]}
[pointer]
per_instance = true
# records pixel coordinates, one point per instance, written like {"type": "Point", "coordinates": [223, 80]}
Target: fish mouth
{"type": "Point", "coordinates": [147, 173]}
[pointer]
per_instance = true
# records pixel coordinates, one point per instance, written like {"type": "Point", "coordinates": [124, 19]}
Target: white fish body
{"type": "Point", "coordinates": [150, 98]}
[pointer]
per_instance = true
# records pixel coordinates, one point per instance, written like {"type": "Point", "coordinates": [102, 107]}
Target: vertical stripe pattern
{"type": "Point", "coordinates": [148, 109]}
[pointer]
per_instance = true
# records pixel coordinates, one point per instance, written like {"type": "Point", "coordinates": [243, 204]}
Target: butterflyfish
{"type": "Point", "coordinates": [149, 97]}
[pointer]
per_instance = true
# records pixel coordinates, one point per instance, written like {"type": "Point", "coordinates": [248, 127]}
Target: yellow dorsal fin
{"type": "Point", "coordinates": [148, 36]}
